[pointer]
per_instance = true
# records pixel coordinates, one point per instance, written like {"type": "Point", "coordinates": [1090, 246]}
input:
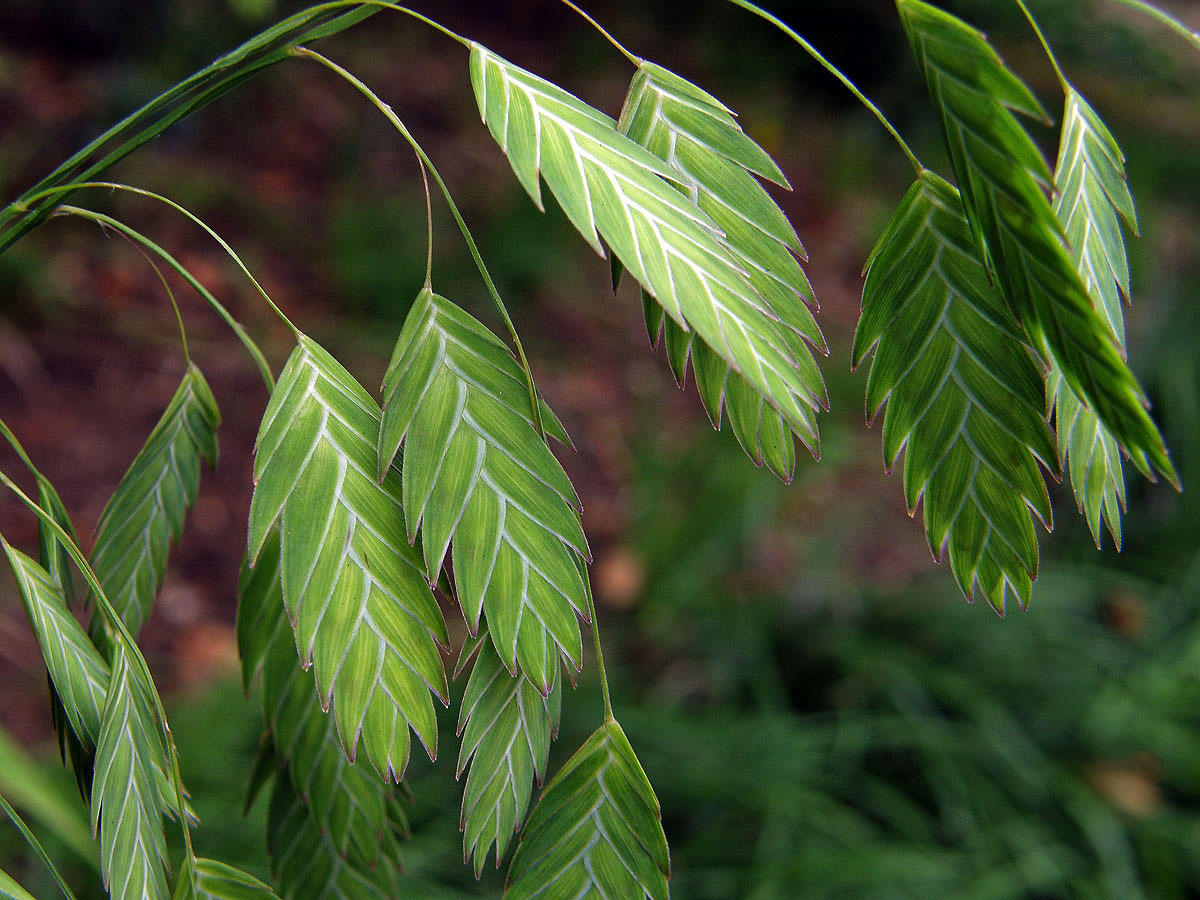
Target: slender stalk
{"type": "Point", "coordinates": [636, 60]}
{"type": "Point", "coordinates": [8, 435]}
{"type": "Point", "coordinates": [391, 116]}
{"type": "Point", "coordinates": [1163, 18]}
{"type": "Point", "coordinates": [836, 73]}
{"type": "Point", "coordinates": [187, 357]}
{"type": "Point", "coordinates": [428, 226]}
{"type": "Point", "coordinates": [38, 850]}
{"type": "Point", "coordinates": [1037, 29]}
{"type": "Point", "coordinates": [608, 710]}
{"type": "Point", "coordinates": [252, 348]}
{"type": "Point", "coordinates": [144, 124]}
{"type": "Point", "coordinates": [260, 52]}
{"type": "Point", "coordinates": [182, 210]}
{"type": "Point", "coordinates": [124, 638]}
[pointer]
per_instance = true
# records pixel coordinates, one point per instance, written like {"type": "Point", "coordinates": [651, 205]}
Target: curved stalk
{"type": "Point", "coordinates": [1163, 18]}
{"type": "Point", "coordinates": [36, 846]}
{"type": "Point", "coordinates": [629, 55]}
{"type": "Point", "coordinates": [260, 52]}
{"type": "Point", "coordinates": [838, 74]}
{"type": "Point", "coordinates": [391, 116]}
{"type": "Point", "coordinates": [252, 348]}
{"type": "Point", "coordinates": [1037, 30]}
{"type": "Point", "coordinates": [182, 210]}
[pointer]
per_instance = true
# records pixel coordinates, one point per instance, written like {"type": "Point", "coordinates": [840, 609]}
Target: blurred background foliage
{"type": "Point", "coordinates": [820, 712]}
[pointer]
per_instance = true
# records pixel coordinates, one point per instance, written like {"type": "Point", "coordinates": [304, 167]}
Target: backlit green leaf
{"type": "Point", "coordinates": [613, 189]}
{"type": "Point", "coordinates": [1091, 198]}
{"type": "Point", "coordinates": [714, 163]}
{"type": "Point", "coordinates": [362, 613]}
{"type": "Point", "coordinates": [964, 400]}
{"type": "Point", "coordinates": [596, 830]}
{"type": "Point", "coordinates": [506, 726]}
{"type": "Point", "coordinates": [210, 879]}
{"type": "Point", "coordinates": [1003, 179]}
{"type": "Point", "coordinates": [127, 806]}
{"type": "Point", "coordinates": [475, 471]}
{"type": "Point", "coordinates": [51, 553]}
{"type": "Point", "coordinates": [345, 800]}
{"type": "Point", "coordinates": [79, 674]}
{"type": "Point", "coordinates": [146, 512]}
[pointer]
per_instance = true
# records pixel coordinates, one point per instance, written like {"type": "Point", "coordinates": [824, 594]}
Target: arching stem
{"type": "Point", "coordinates": [629, 55]}
{"type": "Point", "coordinates": [1037, 29]}
{"type": "Point", "coordinates": [252, 348]}
{"type": "Point", "coordinates": [836, 73]}
{"type": "Point", "coordinates": [391, 116]}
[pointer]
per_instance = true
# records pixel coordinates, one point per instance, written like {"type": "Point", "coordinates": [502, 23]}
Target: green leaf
{"type": "Point", "coordinates": [51, 553]}
{"type": "Point", "coordinates": [964, 400]}
{"type": "Point", "coordinates": [363, 615]}
{"type": "Point", "coordinates": [127, 806]}
{"type": "Point", "coordinates": [79, 676]}
{"type": "Point", "coordinates": [76, 748]}
{"type": "Point", "coordinates": [1092, 197]}
{"type": "Point", "coordinates": [714, 163]}
{"type": "Point", "coordinates": [475, 471]}
{"type": "Point", "coordinates": [77, 670]}
{"type": "Point", "coordinates": [307, 865]}
{"type": "Point", "coordinates": [146, 512]}
{"type": "Point", "coordinates": [1002, 176]}
{"type": "Point", "coordinates": [506, 726]}
{"type": "Point", "coordinates": [613, 189]}
{"type": "Point", "coordinates": [10, 890]}
{"type": "Point", "coordinates": [211, 879]}
{"type": "Point", "coordinates": [345, 800]}
{"type": "Point", "coordinates": [30, 785]}
{"type": "Point", "coordinates": [596, 830]}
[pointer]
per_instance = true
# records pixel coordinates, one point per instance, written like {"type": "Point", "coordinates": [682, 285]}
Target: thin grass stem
{"type": "Point", "coordinates": [1037, 29]}
{"type": "Point", "coordinates": [836, 73]}
{"type": "Point", "coordinates": [629, 55]}
{"type": "Point", "coordinates": [252, 348]}
{"type": "Point", "coordinates": [38, 850]}
{"type": "Point", "coordinates": [1163, 18]}
{"type": "Point", "coordinates": [399, 125]}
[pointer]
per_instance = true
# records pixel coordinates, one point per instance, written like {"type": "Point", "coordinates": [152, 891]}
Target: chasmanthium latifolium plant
{"type": "Point", "coordinates": [992, 314]}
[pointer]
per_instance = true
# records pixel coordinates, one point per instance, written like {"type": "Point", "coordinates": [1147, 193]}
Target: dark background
{"type": "Point", "coordinates": [819, 710]}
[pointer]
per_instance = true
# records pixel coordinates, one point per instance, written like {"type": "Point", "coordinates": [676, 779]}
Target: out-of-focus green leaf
{"type": "Point", "coordinates": [146, 512]}
{"type": "Point", "coordinates": [25, 782]}
{"type": "Point", "coordinates": [10, 890]}
{"type": "Point", "coordinates": [613, 189]}
{"type": "Point", "coordinates": [343, 801]}
{"type": "Point", "coordinates": [964, 399]}
{"type": "Point", "coordinates": [476, 471]}
{"type": "Point", "coordinates": [596, 829]}
{"type": "Point", "coordinates": [1092, 197]}
{"type": "Point", "coordinates": [210, 879]}
{"type": "Point", "coordinates": [506, 726]}
{"type": "Point", "coordinates": [363, 615]}
{"type": "Point", "coordinates": [307, 864]}
{"type": "Point", "coordinates": [1003, 178]}
{"type": "Point", "coordinates": [715, 163]}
